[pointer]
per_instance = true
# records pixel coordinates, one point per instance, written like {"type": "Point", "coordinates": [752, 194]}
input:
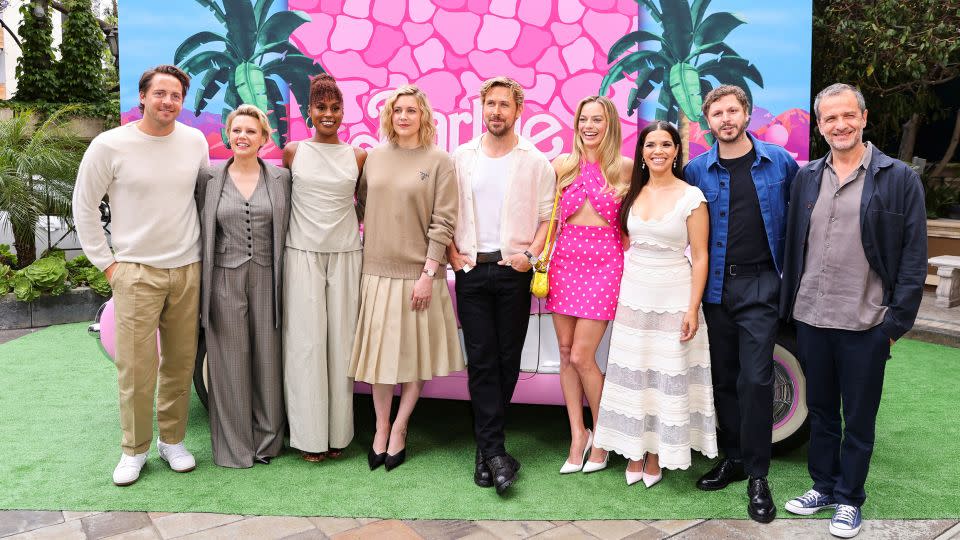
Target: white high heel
{"type": "Point", "coordinates": [594, 466]}
{"type": "Point", "coordinates": [633, 477]}
{"type": "Point", "coordinates": [574, 467]}
{"type": "Point", "coordinates": [650, 480]}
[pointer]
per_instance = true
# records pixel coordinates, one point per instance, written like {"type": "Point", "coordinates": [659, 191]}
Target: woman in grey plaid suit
{"type": "Point", "coordinates": [244, 207]}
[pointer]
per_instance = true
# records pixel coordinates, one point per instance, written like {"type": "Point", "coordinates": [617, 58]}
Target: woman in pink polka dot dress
{"type": "Point", "coordinates": [587, 264]}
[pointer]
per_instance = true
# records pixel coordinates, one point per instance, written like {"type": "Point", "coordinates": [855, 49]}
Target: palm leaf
{"type": "Point", "coordinates": [685, 87]}
{"type": "Point", "coordinates": [731, 66]}
{"type": "Point", "coordinates": [215, 8]}
{"type": "Point", "coordinates": [697, 9]}
{"type": "Point", "coordinates": [205, 60]}
{"type": "Point", "coordinates": [280, 47]}
{"type": "Point", "coordinates": [277, 113]}
{"type": "Point", "coordinates": [677, 27]}
{"type": "Point", "coordinates": [719, 49]}
{"type": "Point", "coordinates": [280, 25]}
{"type": "Point", "coordinates": [209, 86]}
{"type": "Point", "coordinates": [631, 63]}
{"type": "Point", "coordinates": [241, 26]}
{"type": "Point", "coordinates": [251, 86]}
{"type": "Point", "coordinates": [260, 10]}
{"type": "Point", "coordinates": [716, 28]}
{"type": "Point", "coordinates": [629, 41]}
{"type": "Point", "coordinates": [296, 70]}
{"type": "Point", "coordinates": [652, 9]}
{"type": "Point", "coordinates": [197, 40]}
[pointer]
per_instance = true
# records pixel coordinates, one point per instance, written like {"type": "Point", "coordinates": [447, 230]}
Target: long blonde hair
{"type": "Point", "coordinates": [611, 161]}
{"type": "Point", "coordinates": [428, 131]}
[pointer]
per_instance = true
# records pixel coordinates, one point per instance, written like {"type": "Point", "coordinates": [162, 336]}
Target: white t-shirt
{"type": "Point", "coordinates": [489, 190]}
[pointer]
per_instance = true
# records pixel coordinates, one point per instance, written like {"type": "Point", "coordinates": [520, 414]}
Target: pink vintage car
{"type": "Point", "coordinates": [540, 367]}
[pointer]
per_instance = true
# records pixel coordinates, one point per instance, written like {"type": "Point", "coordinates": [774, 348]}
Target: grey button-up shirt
{"type": "Point", "coordinates": [838, 288]}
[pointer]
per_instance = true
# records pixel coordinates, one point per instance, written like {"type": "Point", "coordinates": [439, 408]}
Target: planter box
{"type": "Point", "coordinates": [943, 238]}
{"type": "Point", "coordinates": [78, 305]}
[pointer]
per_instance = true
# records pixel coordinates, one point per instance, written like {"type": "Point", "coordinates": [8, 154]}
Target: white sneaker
{"type": "Point", "coordinates": [179, 458]}
{"type": "Point", "coordinates": [128, 470]}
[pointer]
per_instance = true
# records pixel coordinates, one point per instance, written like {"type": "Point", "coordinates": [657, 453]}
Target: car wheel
{"type": "Point", "coordinates": [200, 374]}
{"type": "Point", "coordinates": [791, 427]}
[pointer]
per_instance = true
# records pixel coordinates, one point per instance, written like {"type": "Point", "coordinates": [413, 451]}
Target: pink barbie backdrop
{"type": "Point", "coordinates": [559, 51]}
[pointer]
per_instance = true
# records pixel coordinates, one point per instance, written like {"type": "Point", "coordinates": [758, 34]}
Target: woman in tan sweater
{"type": "Point", "coordinates": [407, 332]}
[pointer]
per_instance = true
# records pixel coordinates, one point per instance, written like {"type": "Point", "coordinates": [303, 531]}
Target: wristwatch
{"type": "Point", "coordinates": [430, 273]}
{"type": "Point", "coordinates": [531, 258]}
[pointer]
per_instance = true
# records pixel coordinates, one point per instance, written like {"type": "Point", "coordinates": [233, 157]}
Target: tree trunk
{"type": "Point", "coordinates": [25, 242]}
{"type": "Point", "coordinates": [909, 138]}
{"type": "Point", "coordinates": [683, 123]}
{"type": "Point", "coordinates": [951, 149]}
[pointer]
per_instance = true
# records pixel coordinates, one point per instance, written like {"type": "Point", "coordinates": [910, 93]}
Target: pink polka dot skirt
{"type": "Point", "coordinates": [585, 272]}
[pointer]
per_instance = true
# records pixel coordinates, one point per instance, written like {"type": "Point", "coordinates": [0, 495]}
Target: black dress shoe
{"type": "Point", "coordinates": [722, 475]}
{"type": "Point", "coordinates": [504, 470]}
{"type": "Point", "coordinates": [760, 507]}
{"type": "Point", "coordinates": [481, 474]}
{"type": "Point", "coordinates": [395, 460]}
{"type": "Point", "coordinates": [374, 459]}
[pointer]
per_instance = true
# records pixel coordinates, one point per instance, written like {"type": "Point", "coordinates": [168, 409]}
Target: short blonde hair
{"type": "Point", "coordinates": [253, 112]}
{"type": "Point", "coordinates": [503, 82]}
{"type": "Point", "coordinates": [428, 131]}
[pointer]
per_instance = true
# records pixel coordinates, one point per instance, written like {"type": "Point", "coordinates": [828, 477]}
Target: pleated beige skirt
{"type": "Point", "coordinates": [395, 344]}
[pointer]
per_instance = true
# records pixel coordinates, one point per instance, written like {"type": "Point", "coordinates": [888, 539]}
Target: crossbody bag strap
{"type": "Point", "coordinates": [548, 249]}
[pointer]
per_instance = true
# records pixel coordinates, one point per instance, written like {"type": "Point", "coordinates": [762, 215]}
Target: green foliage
{"type": "Point", "coordinates": [692, 51]}
{"type": "Point", "coordinates": [81, 67]}
{"type": "Point", "coordinates": [23, 288]}
{"type": "Point", "coordinates": [82, 273]}
{"type": "Point", "coordinates": [256, 55]}
{"type": "Point", "coordinates": [6, 279]}
{"type": "Point", "coordinates": [939, 194]}
{"type": "Point", "coordinates": [36, 78]}
{"type": "Point", "coordinates": [38, 165]}
{"type": "Point", "coordinates": [108, 109]}
{"type": "Point", "coordinates": [6, 257]}
{"type": "Point", "coordinates": [46, 273]}
{"type": "Point", "coordinates": [894, 51]}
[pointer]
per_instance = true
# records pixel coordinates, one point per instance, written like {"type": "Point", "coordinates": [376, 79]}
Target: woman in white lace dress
{"type": "Point", "coordinates": [657, 401]}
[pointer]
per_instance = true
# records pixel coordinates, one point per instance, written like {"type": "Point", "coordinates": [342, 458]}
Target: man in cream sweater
{"type": "Point", "coordinates": [148, 169]}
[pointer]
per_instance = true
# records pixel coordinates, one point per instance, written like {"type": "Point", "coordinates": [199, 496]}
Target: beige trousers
{"type": "Point", "coordinates": [147, 299]}
{"type": "Point", "coordinates": [321, 302]}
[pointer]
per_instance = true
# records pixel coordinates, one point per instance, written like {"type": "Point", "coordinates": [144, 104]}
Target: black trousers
{"type": "Point", "coordinates": [742, 329]}
{"type": "Point", "coordinates": [844, 369]}
{"type": "Point", "coordinates": [493, 303]}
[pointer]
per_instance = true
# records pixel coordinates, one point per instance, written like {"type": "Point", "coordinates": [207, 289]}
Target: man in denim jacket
{"type": "Point", "coordinates": [853, 277]}
{"type": "Point", "coordinates": [746, 183]}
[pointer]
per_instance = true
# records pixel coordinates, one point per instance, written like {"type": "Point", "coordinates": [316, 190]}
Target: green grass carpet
{"type": "Point", "coordinates": [59, 442]}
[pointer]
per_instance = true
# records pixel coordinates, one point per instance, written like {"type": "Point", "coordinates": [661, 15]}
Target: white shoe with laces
{"type": "Point", "coordinates": [128, 470]}
{"type": "Point", "coordinates": [179, 458]}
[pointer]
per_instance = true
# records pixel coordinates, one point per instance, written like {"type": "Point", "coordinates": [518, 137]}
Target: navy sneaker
{"type": "Point", "coordinates": [846, 521]}
{"type": "Point", "coordinates": [810, 502]}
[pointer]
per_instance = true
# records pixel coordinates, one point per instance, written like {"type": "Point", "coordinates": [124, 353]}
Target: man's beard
{"type": "Point", "coordinates": [507, 128]}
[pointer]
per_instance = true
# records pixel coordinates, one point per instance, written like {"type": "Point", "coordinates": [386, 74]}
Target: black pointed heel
{"type": "Point", "coordinates": [375, 460]}
{"type": "Point", "coordinates": [395, 460]}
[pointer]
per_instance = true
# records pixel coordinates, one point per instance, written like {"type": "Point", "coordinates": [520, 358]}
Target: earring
{"type": "Point", "coordinates": [676, 160]}
{"type": "Point", "coordinates": [643, 164]}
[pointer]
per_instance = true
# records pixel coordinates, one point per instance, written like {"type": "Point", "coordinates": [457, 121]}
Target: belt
{"type": "Point", "coordinates": [743, 270]}
{"type": "Point", "coordinates": [489, 257]}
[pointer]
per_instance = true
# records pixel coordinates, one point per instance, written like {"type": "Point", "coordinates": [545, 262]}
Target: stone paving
{"type": "Point", "coordinates": [937, 325]}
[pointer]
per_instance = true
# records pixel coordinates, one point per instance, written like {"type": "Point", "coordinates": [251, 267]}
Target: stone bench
{"type": "Point", "coordinates": [948, 270]}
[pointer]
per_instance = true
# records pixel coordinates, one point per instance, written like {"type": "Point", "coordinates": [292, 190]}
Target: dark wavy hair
{"type": "Point", "coordinates": [641, 174]}
{"type": "Point", "coordinates": [163, 69]}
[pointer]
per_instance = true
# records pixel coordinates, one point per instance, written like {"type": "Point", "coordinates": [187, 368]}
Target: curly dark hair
{"type": "Point", "coordinates": [324, 87]}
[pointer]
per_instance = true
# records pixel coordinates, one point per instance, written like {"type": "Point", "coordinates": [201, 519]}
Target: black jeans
{"type": "Point", "coordinates": [844, 369]}
{"type": "Point", "coordinates": [742, 329]}
{"type": "Point", "coordinates": [493, 303]}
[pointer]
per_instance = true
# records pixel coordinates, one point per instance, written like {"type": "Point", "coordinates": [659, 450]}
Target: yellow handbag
{"type": "Point", "coordinates": [540, 285]}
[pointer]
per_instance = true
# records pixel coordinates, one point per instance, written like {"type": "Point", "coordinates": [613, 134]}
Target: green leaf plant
{"type": "Point", "coordinates": [255, 57]}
